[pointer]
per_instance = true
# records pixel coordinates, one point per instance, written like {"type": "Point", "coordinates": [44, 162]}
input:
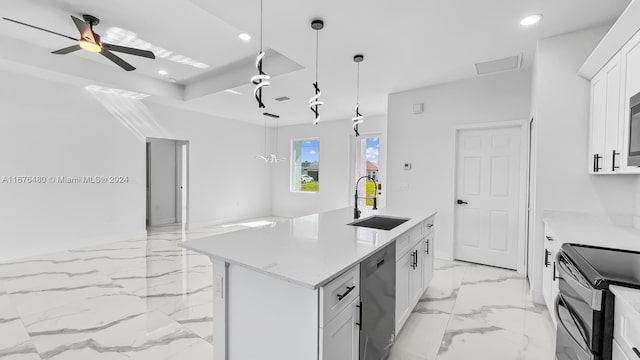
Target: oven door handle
{"type": "Point", "coordinates": [576, 280]}
{"type": "Point", "coordinates": [573, 319]}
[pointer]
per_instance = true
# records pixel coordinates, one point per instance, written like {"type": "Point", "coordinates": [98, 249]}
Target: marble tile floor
{"type": "Point", "coordinates": [473, 311]}
{"type": "Point", "coordinates": [135, 299]}
{"type": "Point", "coordinates": [150, 299]}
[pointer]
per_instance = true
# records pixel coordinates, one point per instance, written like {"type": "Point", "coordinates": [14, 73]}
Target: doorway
{"type": "Point", "coordinates": [167, 169]}
{"type": "Point", "coordinates": [490, 195]}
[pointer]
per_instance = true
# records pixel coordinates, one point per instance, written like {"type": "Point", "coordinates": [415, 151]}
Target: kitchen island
{"type": "Point", "coordinates": [291, 289]}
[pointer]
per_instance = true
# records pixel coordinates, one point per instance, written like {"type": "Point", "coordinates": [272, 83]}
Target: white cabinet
{"type": "Point", "coordinates": [427, 260]}
{"type": "Point", "coordinates": [606, 123]}
{"type": "Point", "coordinates": [626, 329]}
{"type": "Point", "coordinates": [630, 85]}
{"type": "Point", "coordinates": [409, 282]}
{"type": "Point", "coordinates": [611, 89]}
{"type": "Point", "coordinates": [550, 285]}
{"type": "Point", "coordinates": [340, 338]}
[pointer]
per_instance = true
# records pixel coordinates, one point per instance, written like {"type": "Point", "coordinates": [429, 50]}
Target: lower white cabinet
{"type": "Point", "coordinates": [550, 287]}
{"type": "Point", "coordinates": [340, 338]}
{"type": "Point", "coordinates": [427, 260]}
{"type": "Point", "coordinates": [626, 331]}
{"type": "Point", "coordinates": [409, 282]}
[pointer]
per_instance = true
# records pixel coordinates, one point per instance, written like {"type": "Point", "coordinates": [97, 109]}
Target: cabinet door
{"type": "Point", "coordinates": [547, 277]}
{"type": "Point", "coordinates": [611, 157]}
{"type": "Point", "coordinates": [416, 272]}
{"type": "Point", "coordinates": [630, 80]}
{"type": "Point", "coordinates": [427, 261]}
{"type": "Point", "coordinates": [403, 267]}
{"type": "Point", "coordinates": [340, 338]}
{"type": "Point", "coordinates": [598, 118]}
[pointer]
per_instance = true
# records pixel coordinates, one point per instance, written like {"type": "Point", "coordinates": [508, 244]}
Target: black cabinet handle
{"type": "Point", "coordinates": [427, 249]}
{"type": "Point", "coordinates": [416, 258]}
{"type": "Point", "coordinates": [549, 238]}
{"type": "Point", "coordinates": [637, 352]}
{"type": "Point", "coordinates": [596, 163]}
{"type": "Point", "coordinates": [429, 226]}
{"type": "Point", "coordinates": [546, 258]}
{"type": "Point", "coordinates": [613, 161]}
{"type": "Point", "coordinates": [413, 260]}
{"type": "Point", "coordinates": [359, 306]}
{"type": "Point", "coordinates": [554, 272]}
{"type": "Point", "coordinates": [349, 289]}
{"type": "Point", "coordinates": [460, 202]}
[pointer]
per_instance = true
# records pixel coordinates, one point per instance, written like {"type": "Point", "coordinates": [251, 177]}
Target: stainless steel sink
{"type": "Point", "coordinates": [380, 222]}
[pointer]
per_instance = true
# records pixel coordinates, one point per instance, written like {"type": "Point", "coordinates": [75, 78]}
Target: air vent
{"type": "Point", "coordinates": [282, 98]}
{"type": "Point", "coordinates": [499, 65]}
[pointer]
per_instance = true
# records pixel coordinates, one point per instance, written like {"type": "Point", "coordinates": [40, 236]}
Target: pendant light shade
{"type": "Point", "coordinates": [314, 102]}
{"type": "Point", "coordinates": [359, 118]}
{"type": "Point", "coordinates": [270, 158]}
{"type": "Point", "coordinates": [262, 79]}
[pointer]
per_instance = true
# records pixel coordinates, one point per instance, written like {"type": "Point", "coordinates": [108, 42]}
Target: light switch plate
{"type": "Point", "coordinates": [406, 166]}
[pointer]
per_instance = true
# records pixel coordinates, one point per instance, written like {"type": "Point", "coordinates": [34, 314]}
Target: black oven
{"type": "Point", "coordinates": [634, 131]}
{"type": "Point", "coordinates": [583, 310]}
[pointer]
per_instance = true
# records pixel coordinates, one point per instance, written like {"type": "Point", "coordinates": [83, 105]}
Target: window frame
{"type": "Point", "coordinates": [291, 165]}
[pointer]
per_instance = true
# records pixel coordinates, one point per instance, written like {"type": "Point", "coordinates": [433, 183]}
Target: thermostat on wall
{"type": "Point", "coordinates": [407, 166]}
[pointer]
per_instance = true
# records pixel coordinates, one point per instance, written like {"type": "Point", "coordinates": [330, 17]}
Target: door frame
{"type": "Point", "coordinates": [523, 125]}
{"type": "Point", "coordinates": [181, 218]}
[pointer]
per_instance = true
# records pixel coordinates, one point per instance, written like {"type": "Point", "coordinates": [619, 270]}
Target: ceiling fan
{"type": "Point", "coordinates": [90, 41]}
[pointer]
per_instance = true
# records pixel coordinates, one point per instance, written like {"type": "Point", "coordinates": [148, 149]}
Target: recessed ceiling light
{"type": "Point", "coordinates": [244, 37]}
{"type": "Point", "coordinates": [531, 20]}
{"type": "Point", "coordinates": [163, 72]}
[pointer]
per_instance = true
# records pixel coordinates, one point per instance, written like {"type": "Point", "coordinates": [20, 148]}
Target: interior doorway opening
{"type": "Point", "coordinates": [167, 184]}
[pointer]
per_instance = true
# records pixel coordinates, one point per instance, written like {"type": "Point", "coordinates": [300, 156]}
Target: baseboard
{"type": "Point", "coordinates": [23, 253]}
{"type": "Point", "coordinates": [167, 221]}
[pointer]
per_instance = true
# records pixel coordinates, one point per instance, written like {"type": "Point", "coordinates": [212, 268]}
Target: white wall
{"type": "Point", "coordinates": [426, 140]}
{"type": "Point", "coordinates": [560, 101]}
{"type": "Point", "coordinates": [50, 129]}
{"type": "Point", "coordinates": [335, 181]}
{"type": "Point", "coordinates": [162, 181]}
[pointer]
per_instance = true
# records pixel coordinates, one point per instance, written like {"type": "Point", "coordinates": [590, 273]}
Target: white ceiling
{"type": "Point", "coordinates": [406, 43]}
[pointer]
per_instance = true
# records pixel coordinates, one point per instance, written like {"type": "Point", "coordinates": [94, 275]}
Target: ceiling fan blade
{"type": "Point", "coordinates": [113, 57]}
{"type": "Point", "coordinates": [67, 50]}
{"type": "Point", "coordinates": [84, 28]}
{"type": "Point", "coordinates": [128, 50]}
{"type": "Point", "coordinates": [39, 28]}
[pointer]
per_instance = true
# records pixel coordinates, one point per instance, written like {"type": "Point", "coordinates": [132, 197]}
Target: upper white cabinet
{"type": "Point", "coordinates": [611, 89]}
{"type": "Point", "coordinates": [606, 104]}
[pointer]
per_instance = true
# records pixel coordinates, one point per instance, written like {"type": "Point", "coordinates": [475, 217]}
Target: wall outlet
{"type": "Point", "coordinates": [406, 166]}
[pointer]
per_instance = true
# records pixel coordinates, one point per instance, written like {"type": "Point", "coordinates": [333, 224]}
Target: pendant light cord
{"type": "Point", "coordinates": [358, 85]}
{"type": "Point", "coordinates": [261, 27]}
{"type": "Point", "coordinates": [317, 47]}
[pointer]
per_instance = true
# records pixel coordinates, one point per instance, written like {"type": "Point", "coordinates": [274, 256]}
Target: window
{"type": "Point", "coordinates": [305, 167]}
{"type": "Point", "coordinates": [366, 150]}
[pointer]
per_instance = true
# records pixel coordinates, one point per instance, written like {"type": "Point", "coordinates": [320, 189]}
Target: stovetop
{"type": "Point", "coordinates": [604, 266]}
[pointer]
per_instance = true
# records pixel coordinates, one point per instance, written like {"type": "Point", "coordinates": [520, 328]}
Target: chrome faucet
{"type": "Point", "coordinates": [356, 211]}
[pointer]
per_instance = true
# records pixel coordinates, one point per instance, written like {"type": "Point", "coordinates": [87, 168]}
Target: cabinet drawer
{"type": "Point", "coordinates": [626, 329]}
{"type": "Point", "coordinates": [429, 225]}
{"type": "Point", "coordinates": [338, 294]}
{"type": "Point", "coordinates": [408, 240]}
{"type": "Point", "coordinates": [617, 353]}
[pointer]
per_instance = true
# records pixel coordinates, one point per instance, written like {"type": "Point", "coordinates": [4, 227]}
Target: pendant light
{"type": "Point", "coordinates": [314, 102]}
{"type": "Point", "coordinates": [358, 119]}
{"type": "Point", "coordinates": [262, 79]}
{"type": "Point", "coordinates": [270, 158]}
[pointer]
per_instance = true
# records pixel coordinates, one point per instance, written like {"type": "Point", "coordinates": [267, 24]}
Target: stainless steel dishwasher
{"type": "Point", "coordinates": [378, 303]}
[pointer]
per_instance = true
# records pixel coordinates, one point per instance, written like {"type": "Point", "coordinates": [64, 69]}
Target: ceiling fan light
{"type": "Point", "coordinates": [89, 46]}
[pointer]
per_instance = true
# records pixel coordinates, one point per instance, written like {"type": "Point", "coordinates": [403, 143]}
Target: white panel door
{"type": "Point", "coordinates": [488, 196]}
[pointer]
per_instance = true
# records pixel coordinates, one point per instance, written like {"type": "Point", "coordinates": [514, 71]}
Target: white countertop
{"type": "Point", "coordinates": [629, 296]}
{"type": "Point", "coordinates": [613, 231]}
{"type": "Point", "coordinates": [309, 250]}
